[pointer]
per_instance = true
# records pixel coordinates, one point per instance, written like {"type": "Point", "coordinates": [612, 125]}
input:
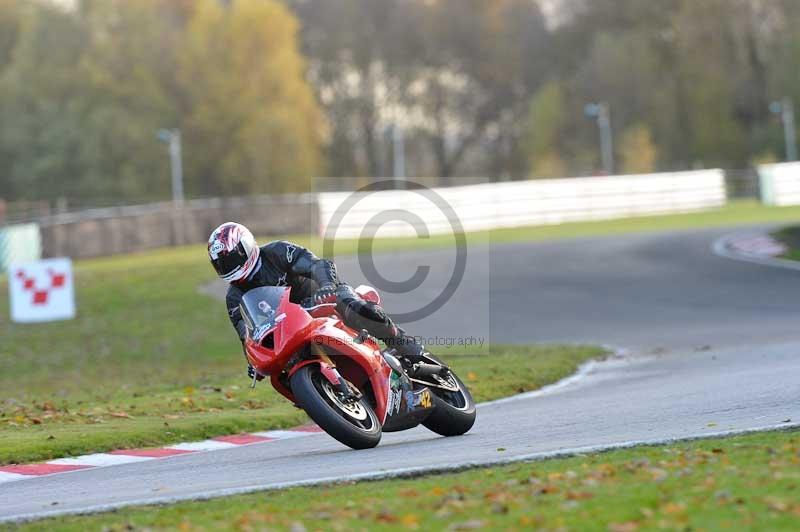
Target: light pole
{"type": "Point", "coordinates": [172, 137]}
{"type": "Point", "coordinates": [399, 152]}
{"type": "Point", "coordinates": [785, 108]}
{"type": "Point", "coordinates": [600, 112]}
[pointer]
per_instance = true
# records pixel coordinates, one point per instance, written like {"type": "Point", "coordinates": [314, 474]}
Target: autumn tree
{"type": "Point", "coordinates": [40, 116]}
{"type": "Point", "coordinates": [638, 152]}
{"type": "Point", "coordinates": [83, 92]}
{"type": "Point", "coordinates": [544, 133]}
{"type": "Point", "coordinates": [252, 123]}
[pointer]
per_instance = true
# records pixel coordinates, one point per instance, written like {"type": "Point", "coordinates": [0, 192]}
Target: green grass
{"type": "Point", "coordinates": [790, 237]}
{"type": "Point", "coordinates": [150, 359]}
{"type": "Point", "coordinates": [746, 482]}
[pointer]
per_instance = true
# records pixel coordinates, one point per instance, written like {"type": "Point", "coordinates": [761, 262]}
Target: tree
{"type": "Point", "coordinates": [131, 91]}
{"type": "Point", "coordinates": [40, 129]}
{"type": "Point", "coordinates": [10, 14]}
{"type": "Point", "coordinates": [457, 74]}
{"type": "Point", "coordinates": [547, 119]}
{"type": "Point", "coordinates": [252, 123]}
{"type": "Point", "coordinates": [85, 90]}
{"type": "Point", "coordinates": [717, 132]}
{"type": "Point", "coordinates": [639, 154]}
{"type": "Point", "coordinates": [362, 55]}
{"type": "Point", "coordinates": [482, 62]}
{"type": "Point", "coordinates": [10, 19]}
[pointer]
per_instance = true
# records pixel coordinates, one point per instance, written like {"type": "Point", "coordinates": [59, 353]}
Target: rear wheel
{"type": "Point", "coordinates": [352, 422]}
{"type": "Point", "coordinates": [454, 409]}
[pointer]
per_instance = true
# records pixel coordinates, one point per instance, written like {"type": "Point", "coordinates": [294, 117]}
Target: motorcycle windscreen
{"type": "Point", "coordinates": [259, 309]}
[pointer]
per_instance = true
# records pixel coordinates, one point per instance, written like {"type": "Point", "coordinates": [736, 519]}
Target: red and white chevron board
{"type": "Point", "coordinates": [11, 473]}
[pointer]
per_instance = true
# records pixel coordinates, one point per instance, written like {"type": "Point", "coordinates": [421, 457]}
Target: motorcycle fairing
{"type": "Point", "coordinates": [405, 407]}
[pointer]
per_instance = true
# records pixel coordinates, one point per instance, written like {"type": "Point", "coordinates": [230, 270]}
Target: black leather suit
{"type": "Point", "coordinates": [287, 264]}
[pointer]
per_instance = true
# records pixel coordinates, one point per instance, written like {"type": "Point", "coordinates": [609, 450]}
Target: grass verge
{"type": "Point", "coordinates": [790, 237]}
{"type": "Point", "coordinates": [746, 482]}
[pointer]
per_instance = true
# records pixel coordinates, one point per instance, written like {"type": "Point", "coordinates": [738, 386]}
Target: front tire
{"type": "Point", "coordinates": [454, 411]}
{"type": "Point", "coordinates": [354, 425]}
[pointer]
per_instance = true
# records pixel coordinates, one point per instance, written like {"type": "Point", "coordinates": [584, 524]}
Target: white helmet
{"type": "Point", "coordinates": [233, 251]}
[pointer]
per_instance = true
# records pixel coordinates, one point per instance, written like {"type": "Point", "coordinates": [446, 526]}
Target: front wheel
{"type": "Point", "coordinates": [353, 423]}
{"type": "Point", "coordinates": [454, 409]}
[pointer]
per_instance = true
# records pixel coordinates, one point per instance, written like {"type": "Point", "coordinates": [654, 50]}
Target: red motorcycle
{"type": "Point", "coordinates": [343, 380]}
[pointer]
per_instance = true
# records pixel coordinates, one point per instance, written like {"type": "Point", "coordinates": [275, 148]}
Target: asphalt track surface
{"type": "Point", "coordinates": [712, 346]}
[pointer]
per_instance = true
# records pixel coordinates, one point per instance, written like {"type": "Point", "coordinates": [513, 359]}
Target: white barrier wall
{"type": "Point", "coordinates": [517, 203]}
{"type": "Point", "coordinates": [780, 183]}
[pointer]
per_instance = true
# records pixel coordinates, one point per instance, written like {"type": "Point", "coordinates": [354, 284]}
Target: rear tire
{"type": "Point", "coordinates": [453, 413]}
{"type": "Point", "coordinates": [313, 393]}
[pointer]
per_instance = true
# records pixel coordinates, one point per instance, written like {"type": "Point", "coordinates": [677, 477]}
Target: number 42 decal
{"type": "Point", "coordinates": [425, 399]}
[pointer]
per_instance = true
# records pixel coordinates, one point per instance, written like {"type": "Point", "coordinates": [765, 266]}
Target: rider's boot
{"type": "Point", "coordinates": [407, 347]}
{"type": "Point", "coordinates": [414, 357]}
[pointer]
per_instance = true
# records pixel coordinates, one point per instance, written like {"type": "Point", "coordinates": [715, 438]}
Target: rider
{"type": "Point", "coordinates": [239, 261]}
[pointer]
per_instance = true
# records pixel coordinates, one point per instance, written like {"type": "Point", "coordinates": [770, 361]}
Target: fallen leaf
{"type": "Point", "coordinates": [722, 496]}
{"type": "Point", "coordinates": [472, 524]}
{"type": "Point", "coordinates": [776, 504]}
{"type": "Point", "coordinates": [124, 415]}
{"type": "Point", "coordinates": [578, 495]}
{"type": "Point", "coordinates": [499, 508]}
{"type": "Point", "coordinates": [628, 526]}
{"type": "Point", "coordinates": [410, 520]}
{"type": "Point", "coordinates": [673, 508]}
{"type": "Point", "coordinates": [658, 474]}
{"type": "Point", "coordinates": [471, 376]}
{"type": "Point", "coordinates": [547, 489]}
{"type": "Point", "coordinates": [385, 516]}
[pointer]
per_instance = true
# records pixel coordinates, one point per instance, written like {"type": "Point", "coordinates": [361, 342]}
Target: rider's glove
{"type": "Point", "coordinates": [251, 372]}
{"type": "Point", "coordinates": [320, 297]}
{"type": "Point", "coordinates": [345, 293]}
